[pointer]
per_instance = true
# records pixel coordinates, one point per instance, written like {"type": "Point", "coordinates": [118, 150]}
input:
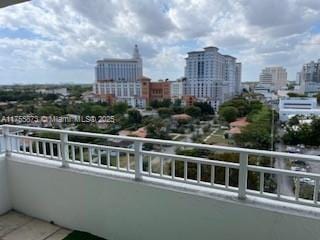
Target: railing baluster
{"type": "Point", "coordinates": [227, 173]}
{"type": "Point", "coordinates": [118, 160]}
{"type": "Point", "coordinates": [59, 151]}
{"type": "Point", "coordinates": [73, 150]}
{"type": "Point", "coordinates": [243, 175]}
{"type": "Point", "coordinates": [297, 189]}
{"type": "Point", "coordinates": [149, 165]}
{"type": "Point", "coordinates": [212, 174]}
{"type": "Point", "coordinates": [316, 191]}
{"type": "Point", "coordinates": [44, 149]}
{"type": "Point", "coordinates": [37, 148]}
{"type": "Point", "coordinates": [185, 170]}
{"type": "Point", "coordinates": [51, 149]}
{"type": "Point", "coordinates": [18, 143]}
{"type": "Point", "coordinates": [108, 158]}
{"type": "Point", "coordinates": [99, 157]}
{"type": "Point", "coordinates": [261, 182]}
{"type": "Point", "coordinates": [198, 172]}
{"type": "Point", "coordinates": [128, 162]}
{"type": "Point", "coordinates": [161, 166]}
{"type": "Point", "coordinates": [173, 168]}
{"type": "Point", "coordinates": [81, 154]}
{"type": "Point", "coordinates": [24, 146]}
{"type": "Point", "coordinates": [30, 147]}
{"type": "Point", "coordinates": [90, 155]}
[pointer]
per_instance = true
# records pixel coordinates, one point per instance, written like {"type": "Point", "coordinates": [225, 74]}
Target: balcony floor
{"type": "Point", "coordinates": [16, 226]}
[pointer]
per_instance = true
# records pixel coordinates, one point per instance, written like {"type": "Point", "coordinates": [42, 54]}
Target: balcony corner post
{"type": "Point", "coordinates": [138, 160]}
{"type": "Point", "coordinates": [243, 176]}
{"type": "Point", "coordinates": [64, 149]}
{"type": "Point", "coordinates": [6, 137]}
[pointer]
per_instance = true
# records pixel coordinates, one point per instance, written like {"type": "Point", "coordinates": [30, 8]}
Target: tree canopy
{"type": "Point", "coordinates": [307, 134]}
{"type": "Point", "coordinates": [229, 113]}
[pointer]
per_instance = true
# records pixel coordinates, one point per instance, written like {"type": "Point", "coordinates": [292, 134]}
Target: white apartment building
{"type": "Point", "coordinates": [310, 77]}
{"type": "Point", "coordinates": [290, 107]}
{"type": "Point", "coordinates": [211, 76]}
{"type": "Point", "coordinates": [264, 89]}
{"type": "Point", "coordinates": [119, 79]}
{"type": "Point", "coordinates": [274, 77]}
{"type": "Point", "coordinates": [60, 91]}
{"type": "Point", "coordinates": [177, 89]}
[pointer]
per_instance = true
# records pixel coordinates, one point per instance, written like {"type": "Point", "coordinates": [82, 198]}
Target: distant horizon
{"type": "Point", "coordinates": [89, 83]}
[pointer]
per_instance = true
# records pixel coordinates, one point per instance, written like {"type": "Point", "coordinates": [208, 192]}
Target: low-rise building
{"type": "Point", "coordinates": [151, 91]}
{"type": "Point", "coordinates": [188, 100]}
{"type": "Point", "coordinates": [290, 107]}
{"type": "Point", "coordinates": [59, 91]}
{"type": "Point", "coordinates": [265, 90]}
{"type": "Point", "coordinates": [89, 96]}
{"type": "Point", "coordinates": [159, 90]}
{"type": "Point", "coordinates": [177, 89]}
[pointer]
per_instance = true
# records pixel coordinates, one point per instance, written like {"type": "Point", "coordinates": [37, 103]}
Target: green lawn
{"type": "Point", "coordinates": [77, 235]}
{"type": "Point", "coordinates": [217, 139]}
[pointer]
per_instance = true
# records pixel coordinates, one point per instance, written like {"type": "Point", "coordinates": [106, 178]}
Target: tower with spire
{"type": "Point", "coordinates": [136, 53]}
{"type": "Point", "coordinates": [119, 79]}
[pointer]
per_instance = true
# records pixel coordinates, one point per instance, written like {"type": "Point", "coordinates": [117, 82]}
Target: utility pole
{"type": "Point", "coordinates": [272, 129]}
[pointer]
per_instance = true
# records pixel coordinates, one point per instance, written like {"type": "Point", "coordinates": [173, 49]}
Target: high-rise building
{"type": "Point", "coordinates": [211, 76]}
{"type": "Point", "coordinates": [310, 77]}
{"type": "Point", "coordinates": [120, 69]}
{"type": "Point", "coordinates": [274, 77]}
{"type": "Point", "coordinates": [265, 78]}
{"type": "Point", "coordinates": [119, 79]}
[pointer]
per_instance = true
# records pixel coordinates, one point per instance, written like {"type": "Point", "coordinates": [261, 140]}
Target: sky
{"type": "Point", "coordinates": [56, 41]}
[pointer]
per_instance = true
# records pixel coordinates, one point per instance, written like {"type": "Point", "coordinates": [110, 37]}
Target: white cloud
{"type": "Point", "coordinates": [70, 37]}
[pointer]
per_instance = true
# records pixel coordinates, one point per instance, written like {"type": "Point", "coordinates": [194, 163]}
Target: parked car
{"type": "Point", "coordinates": [298, 165]}
{"type": "Point", "coordinates": [308, 181]}
{"type": "Point", "coordinates": [293, 150]}
{"type": "Point", "coordinates": [299, 169]}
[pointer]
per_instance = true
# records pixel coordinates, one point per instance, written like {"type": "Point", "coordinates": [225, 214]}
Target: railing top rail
{"type": "Point", "coordinates": [266, 153]}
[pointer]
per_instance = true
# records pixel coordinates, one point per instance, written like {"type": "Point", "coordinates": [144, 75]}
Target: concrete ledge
{"type": "Point", "coordinates": [117, 207]}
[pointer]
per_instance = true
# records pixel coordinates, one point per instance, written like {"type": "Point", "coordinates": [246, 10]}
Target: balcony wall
{"type": "Point", "coordinates": [121, 208]}
{"type": "Point", "coordinates": [5, 203]}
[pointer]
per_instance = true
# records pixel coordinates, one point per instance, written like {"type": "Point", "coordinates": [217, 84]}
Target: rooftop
{"type": "Point", "coordinates": [240, 122]}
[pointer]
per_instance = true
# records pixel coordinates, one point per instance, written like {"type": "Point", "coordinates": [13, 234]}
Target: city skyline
{"type": "Point", "coordinates": [62, 44]}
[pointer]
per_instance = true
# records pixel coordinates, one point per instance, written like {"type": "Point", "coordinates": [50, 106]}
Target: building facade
{"type": "Point", "coordinates": [310, 77]}
{"type": "Point", "coordinates": [119, 80]}
{"type": "Point", "coordinates": [290, 107]}
{"type": "Point", "coordinates": [211, 76]}
{"type": "Point", "coordinates": [274, 77]}
{"type": "Point", "coordinates": [155, 90]}
{"type": "Point", "coordinates": [177, 89]}
{"type": "Point", "coordinates": [238, 77]}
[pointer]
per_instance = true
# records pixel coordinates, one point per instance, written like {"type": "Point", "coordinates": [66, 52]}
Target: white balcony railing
{"type": "Point", "coordinates": [133, 158]}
